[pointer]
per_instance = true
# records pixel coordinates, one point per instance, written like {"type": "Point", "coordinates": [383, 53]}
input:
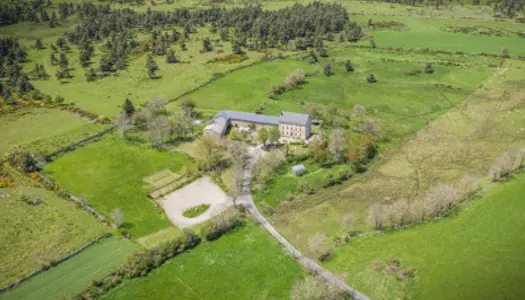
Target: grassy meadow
{"type": "Point", "coordinates": [33, 236]}
{"type": "Point", "coordinates": [464, 141]}
{"type": "Point", "coordinates": [476, 253]}
{"type": "Point", "coordinates": [74, 275]}
{"type": "Point", "coordinates": [430, 33]}
{"type": "Point", "coordinates": [42, 130]}
{"type": "Point", "coordinates": [109, 174]}
{"type": "Point", "coordinates": [403, 103]}
{"type": "Point", "coordinates": [244, 264]}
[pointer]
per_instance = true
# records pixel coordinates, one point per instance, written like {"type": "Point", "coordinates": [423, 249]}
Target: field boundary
{"type": "Point", "coordinates": [220, 75]}
{"type": "Point", "coordinates": [75, 144]}
{"type": "Point", "coordinates": [53, 264]}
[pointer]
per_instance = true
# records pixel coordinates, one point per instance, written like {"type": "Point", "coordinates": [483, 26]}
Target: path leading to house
{"type": "Point", "coordinates": [247, 201]}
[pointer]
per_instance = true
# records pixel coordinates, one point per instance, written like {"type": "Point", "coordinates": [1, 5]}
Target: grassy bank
{"type": "Point", "coordinates": [34, 235]}
{"type": "Point", "coordinates": [475, 254]}
{"type": "Point", "coordinates": [42, 130]}
{"type": "Point", "coordinates": [72, 276]}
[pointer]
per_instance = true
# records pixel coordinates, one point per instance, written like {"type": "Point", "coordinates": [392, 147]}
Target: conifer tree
{"type": "Point", "coordinates": [128, 107]}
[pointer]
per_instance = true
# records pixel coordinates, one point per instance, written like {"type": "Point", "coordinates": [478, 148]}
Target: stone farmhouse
{"type": "Point", "coordinates": [290, 124]}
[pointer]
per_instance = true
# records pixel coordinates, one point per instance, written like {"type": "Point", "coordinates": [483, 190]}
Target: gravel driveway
{"type": "Point", "coordinates": [202, 191]}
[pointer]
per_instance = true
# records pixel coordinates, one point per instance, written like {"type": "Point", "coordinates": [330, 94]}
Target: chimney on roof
{"type": "Point", "coordinates": [281, 113]}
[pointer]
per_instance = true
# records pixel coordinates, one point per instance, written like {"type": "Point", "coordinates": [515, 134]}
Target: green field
{"type": "Point", "coordinates": [281, 184]}
{"type": "Point", "coordinates": [475, 254]}
{"type": "Point", "coordinates": [33, 236]}
{"type": "Point", "coordinates": [465, 141]}
{"type": "Point", "coordinates": [42, 130]}
{"type": "Point", "coordinates": [246, 89]}
{"type": "Point", "coordinates": [429, 33]}
{"type": "Point", "coordinates": [403, 103]}
{"type": "Point", "coordinates": [109, 174]}
{"type": "Point", "coordinates": [246, 264]}
{"type": "Point", "coordinates": [74, 275]}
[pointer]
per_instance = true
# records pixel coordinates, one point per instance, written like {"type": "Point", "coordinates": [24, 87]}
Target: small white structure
{"type": "Point", "coordinates": [298, 170]}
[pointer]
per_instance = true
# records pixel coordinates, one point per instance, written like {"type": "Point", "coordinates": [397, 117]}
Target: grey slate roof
{"type": "Point", "coordinates": [229, 115]}
{"type": "Point", "coordinates": [293, 118]}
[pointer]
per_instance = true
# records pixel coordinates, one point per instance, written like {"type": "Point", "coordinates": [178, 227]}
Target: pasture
{"type": "Point", "coordinates": [476, 253]}
{"type": "Point", "coordinates": [109, 174]}
{"type": "Point", "coordinates": [464, 141]}
{"type": "Point", "coordinates": [43, 130]}
{"type": "Point", "coordinates": [74, 275]}
{"type": "Point", "coordinates": [430, 33]}
{"type": "Point", "coordinates": [244, 264]}
{"type": "Point", "coordinates": [403, 103]}
{"type": "Point", "coordinates": [34, 235]}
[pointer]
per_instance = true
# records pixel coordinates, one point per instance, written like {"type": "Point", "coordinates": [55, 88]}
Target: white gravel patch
{"type": "Point", "coordinates": [201, 191]}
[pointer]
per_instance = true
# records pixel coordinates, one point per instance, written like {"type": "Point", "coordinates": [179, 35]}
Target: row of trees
{"type": "Point", "coordinates": [510, 161]}
{"type": "Point", "coordinates": [436, 202]}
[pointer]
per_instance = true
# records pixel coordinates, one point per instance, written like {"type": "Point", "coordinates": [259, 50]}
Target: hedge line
{"type": "Point", "coordinates": [143, 261]}
{"type": "Point", "coordinates": [52, 264]}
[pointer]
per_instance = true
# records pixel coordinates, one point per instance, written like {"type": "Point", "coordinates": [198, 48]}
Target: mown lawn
{"type": "Point", "coordinates": [33, 236]}
{"type": "Point", "coordinates": [246, 264]}
{"type": "Point", "coordinates": [475, 254]}
{"type": "Point", "coordinates": [109, 174]}
{"type": "Point", "coordinates": [74, 275]}
{"type": "Point", "coordinates": [42, 130]}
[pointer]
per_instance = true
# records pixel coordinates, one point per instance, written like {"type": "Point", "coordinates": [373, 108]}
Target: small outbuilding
{"type": "Point", "coordinates": [298, 170]}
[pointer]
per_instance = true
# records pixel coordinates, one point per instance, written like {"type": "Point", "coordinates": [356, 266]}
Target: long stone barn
{"type": "Point", "coordinates": [290, 124]}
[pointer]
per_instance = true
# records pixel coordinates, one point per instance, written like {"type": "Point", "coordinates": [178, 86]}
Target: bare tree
{"type": "Point", "coordinates": [124, 123]}
{"type": "Point", "coordinates": [417, 210]}
{"type": "Point", "coordinates": [239, 156]}
{"type": "Point", "coordinates": [117, 217]}
{"type": "Point", "coordinates": [317, 149]}
{"type": "Point", "coordinates": [376, 216]}
{"type": "Point", "coordinates": [398, 213]}
{"type": "Point", "coordinates": [358, 111]}
{"type": "Point", "coordinates": [439, 199]}
{"type": "Point", "coordinates": [466, 188]}
{"type": "Point", "coordinates": [337, 145]}
{"type": "Point", "coordinates": [316, 288]}
{"type": "Point", "coordinates": [507, 163]}
{"type": "Point", "coordinates": [159, 128]}
{"type": "Point", "coordinates": [316, 243]}
{"type": "Point", "coordinates": [294, 79]}
{"type": "Point", "coordinates": [156, 104]}
{"type": "Point", "coordinates": [181, 123]}
{"type": "Point", "coordinates": [270, 161]}
{"type": "Point", "coordinates": [370, 126]}
{"type": "Point", "coordinates": [209, 148]}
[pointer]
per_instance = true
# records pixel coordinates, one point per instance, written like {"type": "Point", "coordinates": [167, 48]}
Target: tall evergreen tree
{"type": "Point", "coordinates": [171, 58]}
{"type": "Point", "coordinates": [151, 66]}
{"type": "Point", "coordinates": [348, 66]}
{"type": "Point", "coordinates": [39, 44]}
{"type": "Point", "coordinates": [128, 107]}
